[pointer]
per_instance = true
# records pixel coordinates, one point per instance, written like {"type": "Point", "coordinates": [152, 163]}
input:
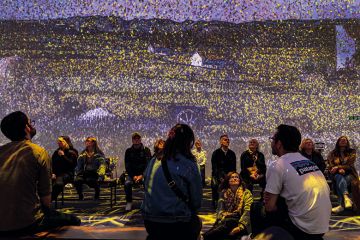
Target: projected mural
{"type": "Point", "coordinates": [109, 76]}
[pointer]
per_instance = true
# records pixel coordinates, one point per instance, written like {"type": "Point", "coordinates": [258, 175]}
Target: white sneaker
{"type": "Point", "coordinates": [337, 209]}
{"type": "Point", "coordinates": [348, 202]}
{"type": "Point", "coordinates": [128, 206]}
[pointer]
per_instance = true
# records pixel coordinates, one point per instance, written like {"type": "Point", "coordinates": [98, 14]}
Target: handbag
{"type": "Point", "coordinates": [195, 220]}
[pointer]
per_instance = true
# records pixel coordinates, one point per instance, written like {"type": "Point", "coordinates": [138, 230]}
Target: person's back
{"type": "Point", "coordinates": [24, 170]}
{"type": "Point", "coordinates": [305, 191]}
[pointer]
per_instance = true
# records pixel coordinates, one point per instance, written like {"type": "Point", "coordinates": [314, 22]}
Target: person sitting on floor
{"type": "Point", "coordinates": [64, 161]}
{"type": "Point", "coordinates": [342, 169]}
{"type": "Point", "coordinates": [25, 173]}
{"type": "Point", "coordinates": [233, 211]}
{"type": "Point", "coordinates": [90, 168]}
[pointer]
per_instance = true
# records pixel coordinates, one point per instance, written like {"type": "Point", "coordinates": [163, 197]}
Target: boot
{"type": "Point", "coordinates": [347, 201]}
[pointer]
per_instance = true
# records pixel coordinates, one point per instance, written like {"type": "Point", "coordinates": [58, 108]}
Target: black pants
{"type": "Point", "coordinates": [221, 230]}
{"type": "Point", "coordinates": [261, 220]}
{"type": "Point", "coordinates": [174, 231]}
{"type": "Point", "coordinates": [202, 172]}
{"type": "Point", "coordinates": [90, 179]}
{"type": "Point", "coordinates": [215, 182]}
{"type": "Point", "coordinates": [59, 183]}
{"type": "Point", "coordinates": [128, 186]}
{"type": "Point", "coordinates": [51, 219]}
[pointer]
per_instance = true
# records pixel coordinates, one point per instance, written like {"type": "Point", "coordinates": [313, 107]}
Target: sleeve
{"type": "Point", "coordinates": [80, 165]}
{"type": "Point", "coordinates": [203, 158]}
{"type": "Point", "coordinates": [242, 162]}
{"type": "Point", "coordinates": [195, 187]}
{"type": "Point", "coordinates": [214, 167]}
{"type": "Point", "coordinates": [322, 164]}
{"type": "Point", "coordinates": [274, 178]}
{"type": "Point", "coordinates": [233, 167]}
{"type": "Point", "coordinates": [244, 221]}
{"type": "Point", "coordinates": [351, 158]}
{"type": "Point", "coordinates": [330, 160]}
{"type": "Point", "coordinates": [261, 163]}
{"type": "Point", "coordinates": [220, 206]}
{"type": "Point", "coordinates": [44, 183]}
{"type": "Point", "coordinates": [128, 167]}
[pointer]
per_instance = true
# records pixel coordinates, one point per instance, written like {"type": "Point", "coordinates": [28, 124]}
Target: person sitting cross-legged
{"type": "Point", "coordinates": [233, 212]}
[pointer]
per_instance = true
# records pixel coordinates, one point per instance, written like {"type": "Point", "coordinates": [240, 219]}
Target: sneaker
{"type": "Point", "coordinates": [348, 202]}
{"type": "Point", "coordinates": [337, 209]}
{"type": "Point", "coordinates": [128, 206]}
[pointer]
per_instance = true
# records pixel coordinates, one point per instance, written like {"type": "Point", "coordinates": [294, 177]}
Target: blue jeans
{"type": "Point", "coordinates": [129, 183]}
{"type": "Point", "coordinates": [342, 182]}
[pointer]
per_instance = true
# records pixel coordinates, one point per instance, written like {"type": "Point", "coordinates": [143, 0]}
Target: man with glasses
{"type": "Point", "coordinates": [223, 161]}
{"type": "Point", "coordinates": [25, 176]}
{"type": "Point", "coordinates": [297, 196]}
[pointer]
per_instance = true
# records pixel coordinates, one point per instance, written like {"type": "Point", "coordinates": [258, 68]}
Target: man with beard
{"type": "Point", "coordinates": [25, 176]}
{"type": "Point", "coordinates": [136, 160]}
{"type": "Point", "coordinates": [297, 196]}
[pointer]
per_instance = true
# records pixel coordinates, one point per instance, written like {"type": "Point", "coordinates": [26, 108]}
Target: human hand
{"type": "Point", "coordinates": [235, 231]}
{"type": "Point", "coordinates": [341, 171]}
{"type": "Point", "coordinates": [61, 152]}
{"type": "Point", "coordinates": [333, 170]}
{"type": "Point", "coordinates": [53, 176]}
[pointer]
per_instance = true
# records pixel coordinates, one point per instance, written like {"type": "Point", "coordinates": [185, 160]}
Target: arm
{"type": "Point", "coordinates": [80, 165]}
{"type": "Point", "coordinates": [220, 207]}
{"type": "Point", "coordinates": [351, 158]}
{"type": "Point", "coordinates": [128, 167]}
{"type": "Point", "coordinates": [234, 162]}
{"type": "Point", "coordinates": [195, 188]}
{"type": "Point", "coordinates": [244, 221]}
{"type": "Point", "coordinates": [102, 166]}
{"type": "Point", "coordinates": [214, 166]}
{"type": "Point", "coordinates": [261, 164]}
{"type": "Point", "coordinates": [270, 201]}
{"type": "Point", "coordinates": [44, 180]}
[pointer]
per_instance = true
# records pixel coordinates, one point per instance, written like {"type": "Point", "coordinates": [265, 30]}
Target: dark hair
{"type": "Point", "coordinates": [13, 126]}
{"type": "Point", "coordinates": [348, 150]}
{"type": "Point", "coordinates": [289, 136]}
{"type": "Point", "coordinates": [180, 140]}
{"type": "Point", "coordinates": [224, 135]}
{"type": "Point", "coordinates": [225, 184]}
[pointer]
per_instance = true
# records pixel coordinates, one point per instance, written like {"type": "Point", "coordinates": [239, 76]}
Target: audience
{"type": "Point", "coordinates": [136, 160]}
{"type": "Point", "coordinates": [307, 149]}
{"type": "Point", "coordinates": [233, 211]}
{"type": "Point", "coordinates": [173, 190]}
{"type": "Point", "coordinates": [25, 181]}
{"type": "Point", "coordinates": [341, 166]}
{"type": "Point", "coordinates": [64, 161]}
{"type": "Point", "coordinates": [90, 168]}
{"type": "Point", "coordinates": [253, 168]}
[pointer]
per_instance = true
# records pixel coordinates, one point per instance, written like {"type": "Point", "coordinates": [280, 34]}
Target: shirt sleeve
{"type": "Point", "coordinates": [244, 221]}
{"type": "Point", "coordinates": [44, 183]}
{"type": "Point", "coordinates": [274, 178]}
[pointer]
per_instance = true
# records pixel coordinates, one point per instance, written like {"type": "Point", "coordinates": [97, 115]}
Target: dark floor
{"type": "Point", "coordinates": [100, 221]}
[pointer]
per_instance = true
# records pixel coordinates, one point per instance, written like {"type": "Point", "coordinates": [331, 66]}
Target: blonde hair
{"type": "Point", "coordinates": [64, 142]}
{"type": "Point", "coordinates": [302, 145]}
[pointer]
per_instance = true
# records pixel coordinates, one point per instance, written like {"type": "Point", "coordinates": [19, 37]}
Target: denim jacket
{"type": "Point", "coordinates": [160, 202]}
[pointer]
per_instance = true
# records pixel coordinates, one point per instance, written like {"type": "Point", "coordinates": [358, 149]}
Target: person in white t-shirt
{"type": "Point", "coordinates": [297, 196]}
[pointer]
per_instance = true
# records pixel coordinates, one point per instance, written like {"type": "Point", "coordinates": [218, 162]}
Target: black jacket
{"type": "Point", "coordinates": [247, 161]}
{"type": "Point", "coordinates": [64, 164]}
{"type": "Point", "coordinates": [136, 160]}
{"type": "Point", "coordinates": [316, 158]}
{"type": "Point", "coordinates": [222, 164]}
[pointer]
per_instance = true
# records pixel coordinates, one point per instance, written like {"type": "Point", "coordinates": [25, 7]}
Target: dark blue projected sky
{"type": "Point", "coordinates": [181, 10]}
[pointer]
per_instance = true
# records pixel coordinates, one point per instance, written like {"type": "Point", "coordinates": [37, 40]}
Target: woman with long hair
{"type": "Point", "coordinates": [342, 169]}
{"type": "Point", "coordinates": [166, 215]}
{"type": "Point", "coordinates": [159, 148]}
{"type": "Point", "coordinates": [233, 211]}
{"type": "Point", "coordinates": [64, 161]}
{"type": "Point", "coordinates": [90, 167]}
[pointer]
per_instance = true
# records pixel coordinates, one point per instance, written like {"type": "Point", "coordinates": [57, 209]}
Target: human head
{"type": "Point", "coordinates": [91, 144]}
{"type": "Point", "coordinates": [198, 144]}
{"type": "Point", "coordinates": [307, 144]}
{"type": "Point", "coordinates": [136, 139]}
{"type": "Point", "coordinates": [231, 179]}
{"type": "Point", "coordinates": [62, 143]}
{"type": "Point", "coordinates": [159, 146]}
{"type": "Point", "coordinates": [286, 139]}
{"type": "Point", "coordinates": [180, 140]}
{"type": "Point", "coordinates": [342, 142]}
{"type": "Point", "coordinates": [224, 141]}
{"type": "Point", "coordinates": [16, 126]}
{"type": "Point", "coordinates": [253, 145]}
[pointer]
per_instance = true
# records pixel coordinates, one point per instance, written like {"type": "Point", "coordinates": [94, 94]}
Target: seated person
{"type": "Point", "coordinates": [253, 168]}
{"type": "Point", "coordinates": [233, 212]}
{"type": "Point", "coordinates": [307, 149]}
{"type": "Point", "coordinates": [90, 168]}
{"type": "Point", "coordinates": [64, 161]}
{"type": "Point", "coordinates": [341, 166]}
{"type": "Point", "coordinates": [25, 182]}
{"type": "Point", "coordinates": [136, 160]}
